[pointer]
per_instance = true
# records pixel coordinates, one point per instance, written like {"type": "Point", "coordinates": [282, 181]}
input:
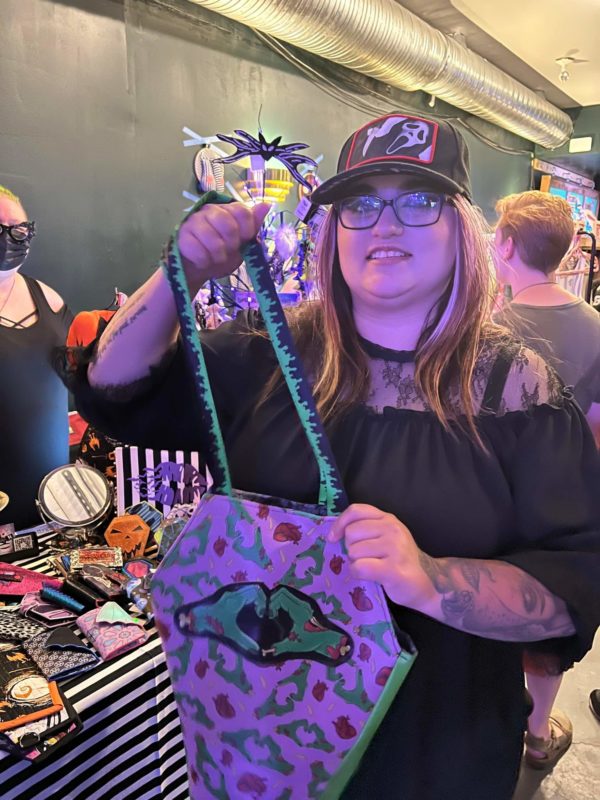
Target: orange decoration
{"type": "Point", "coordinates": [130, 533]}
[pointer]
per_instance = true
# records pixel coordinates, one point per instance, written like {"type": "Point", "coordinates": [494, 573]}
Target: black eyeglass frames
{"type": "Point", "coordinates": [416, 209]}
{"type": "Point", "coordinates": [21, 232]}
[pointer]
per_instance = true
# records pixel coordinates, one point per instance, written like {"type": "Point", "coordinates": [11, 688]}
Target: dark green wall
{"type": "Point", "coordinates": [586, 122]}
{"type": "Point", "coordinates": [94, 95]}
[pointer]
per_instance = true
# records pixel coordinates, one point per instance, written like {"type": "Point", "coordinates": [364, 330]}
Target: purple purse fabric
{"type": "Point", "coordinates": [282, 665]}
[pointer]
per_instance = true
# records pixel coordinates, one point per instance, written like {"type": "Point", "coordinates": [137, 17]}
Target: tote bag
{"type": "Point", "coordinates": [282, 664]}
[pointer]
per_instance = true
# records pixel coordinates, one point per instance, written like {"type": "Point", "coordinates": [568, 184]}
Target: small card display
{"type": "Point", "coordinates": [102, 556]}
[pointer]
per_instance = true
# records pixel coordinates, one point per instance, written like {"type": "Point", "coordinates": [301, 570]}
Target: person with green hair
{"type": "Point", "coordinates": [34, 320]}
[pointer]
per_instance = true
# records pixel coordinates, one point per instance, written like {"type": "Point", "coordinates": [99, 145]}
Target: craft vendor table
{"type": "Point", "coordinates": [130, 747]}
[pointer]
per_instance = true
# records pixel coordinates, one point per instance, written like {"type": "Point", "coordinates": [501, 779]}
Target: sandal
{"type": "Point", "coordinates": [549, 751]}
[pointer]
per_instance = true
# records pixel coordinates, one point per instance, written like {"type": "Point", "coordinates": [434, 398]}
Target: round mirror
{"type": "Point", "coordinates": [76, 496]}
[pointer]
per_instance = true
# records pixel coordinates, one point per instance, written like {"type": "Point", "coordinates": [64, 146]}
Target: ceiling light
{"type": "Point", "coordinates": [564, 62]}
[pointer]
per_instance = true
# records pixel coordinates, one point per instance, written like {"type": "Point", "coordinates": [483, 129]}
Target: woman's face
{"type": "Point", "coordinates": [11, 212]}
{"type": "Point", "coordinates": [392, 265]}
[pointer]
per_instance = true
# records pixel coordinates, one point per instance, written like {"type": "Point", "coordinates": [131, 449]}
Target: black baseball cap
{"type": "Point", "coordinates": [402, 144]}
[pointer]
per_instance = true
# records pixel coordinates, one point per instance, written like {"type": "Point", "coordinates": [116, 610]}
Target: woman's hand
{"type": "Point", "coordinates": [382, 549]}
{"type": "Point", "coordinates": [484, 597]}
{"type": "Point", "coordinates": [212, 239]}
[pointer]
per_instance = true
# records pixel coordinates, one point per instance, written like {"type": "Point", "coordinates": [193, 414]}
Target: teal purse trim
{"type": "Point", "coordinates": [331, 492]}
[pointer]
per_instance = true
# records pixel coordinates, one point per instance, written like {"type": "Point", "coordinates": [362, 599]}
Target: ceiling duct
{"type": "Point", "coordinates": [382, 39]}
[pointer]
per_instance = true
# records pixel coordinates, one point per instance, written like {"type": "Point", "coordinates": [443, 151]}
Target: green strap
{"type": "Point", "coordinates": [174, 272]}
{"type": "Point", "coordinates": [331, 492]}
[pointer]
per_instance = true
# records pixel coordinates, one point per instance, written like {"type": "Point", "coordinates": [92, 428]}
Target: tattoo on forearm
{"type": "Point", "coordinates": [115, 330]}
{"type": "Point", "coordinates": [495, 599]}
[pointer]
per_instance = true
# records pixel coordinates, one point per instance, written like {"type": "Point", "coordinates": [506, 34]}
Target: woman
{"type": "Point", "coordinates": [472, 475]}
{"type": "Point", "coordinates": [34, 428]}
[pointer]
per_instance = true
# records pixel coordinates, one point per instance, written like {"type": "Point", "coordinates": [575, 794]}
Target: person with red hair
{"type": "Point", "coordinates": [533, 234]}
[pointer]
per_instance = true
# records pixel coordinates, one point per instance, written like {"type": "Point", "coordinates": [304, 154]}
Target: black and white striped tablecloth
{"type": "Point", "coordinates": [130, 747]}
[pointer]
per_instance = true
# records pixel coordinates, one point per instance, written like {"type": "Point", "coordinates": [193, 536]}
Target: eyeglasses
{"type": "Point", "coordinates": [21, 232]}
{"type": "Point", "coordinates": [413, 209]}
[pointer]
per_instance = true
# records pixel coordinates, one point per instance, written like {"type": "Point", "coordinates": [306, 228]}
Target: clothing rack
{"type": "Point", "coordinates": [588, 293]}
{"type": "Point", "coordinates": [573, 279]}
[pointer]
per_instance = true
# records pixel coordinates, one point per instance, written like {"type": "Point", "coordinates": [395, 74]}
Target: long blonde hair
{"type": "Point", "coordinates": [448, 348]}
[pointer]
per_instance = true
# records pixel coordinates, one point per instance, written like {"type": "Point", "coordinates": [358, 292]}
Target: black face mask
{"type": "Point", "coordinates": [12, 253]}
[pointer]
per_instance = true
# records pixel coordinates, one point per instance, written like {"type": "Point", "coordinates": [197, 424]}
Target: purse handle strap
{"type": "Point", "coordinates": [331, 492]}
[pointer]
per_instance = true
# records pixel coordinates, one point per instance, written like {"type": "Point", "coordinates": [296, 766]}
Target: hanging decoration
{"type": "Point", "coordinates": [288, 239]}
{"type": "Point", "coordinates": [311, 181]}
{"type": "Point", "coordinates": [209, 171]}
{"type": "Point", "coordinates": [247, 145]}
{"type": "Point", "coordinates": [209, 307]}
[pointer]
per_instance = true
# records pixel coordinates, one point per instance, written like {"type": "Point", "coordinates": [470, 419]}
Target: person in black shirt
{"type": "Point", "coordinates": [34, 428]}
{"type": "Point", "coordinates": [472, 474]}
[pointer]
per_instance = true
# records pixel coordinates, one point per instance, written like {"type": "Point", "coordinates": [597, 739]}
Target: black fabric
{"type": "Point", "coordinates": [492, 398]}
{"type": "Point", "coordinates": [455, 729]}
{"type": "Point", "coordinates": [34, 428]}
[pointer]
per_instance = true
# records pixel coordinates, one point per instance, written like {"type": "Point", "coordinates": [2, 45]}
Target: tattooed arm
{"type": "Point", "coordinates": [137, 340]}
{"type": "Point", "coordinates": [487, 598]}
{"type": "Point", "coordinates": [493, 599]}
{"type": "Point", "coordinates": [143, 333]}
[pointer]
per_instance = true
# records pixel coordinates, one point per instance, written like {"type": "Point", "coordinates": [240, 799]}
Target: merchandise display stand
{"type": "Point", "coordinates": [130, 747]}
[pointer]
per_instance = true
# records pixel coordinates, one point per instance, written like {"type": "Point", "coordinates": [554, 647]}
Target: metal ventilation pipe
{"type": "Point", "coordinates": [382, 39]}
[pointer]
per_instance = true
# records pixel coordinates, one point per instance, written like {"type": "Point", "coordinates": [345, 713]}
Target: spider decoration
{"type": "Point", "coordinates": [247, 145]}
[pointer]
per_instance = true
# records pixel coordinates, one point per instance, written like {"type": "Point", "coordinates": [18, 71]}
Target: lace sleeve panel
{"type": "Point", "coordinates": [531, 382]}
{"type": "Point", "coordinates": [523, 381]}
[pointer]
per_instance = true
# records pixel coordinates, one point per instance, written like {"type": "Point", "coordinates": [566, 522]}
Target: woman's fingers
{"type": "Point", "coordinates": [363, 529]}
{"type": "Point", "coordinates": [197, 257]}
{"type": "Point", "coordinates": [260, 212]}
{"type": "Point", "coordinates": [370, 569]}
{"type": "Point", "coordinates": [222, 221]}
{"type": "Point", "coordinates": [211, 240]}
{"type": "Point", "coordinates": [369, 548]}
{"type": "Point", "coordinates": [235, 223]}
{"type": "Point", "coordinates": [354, 513]}
{"type": "Point", "coordinates": [203, 249]}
